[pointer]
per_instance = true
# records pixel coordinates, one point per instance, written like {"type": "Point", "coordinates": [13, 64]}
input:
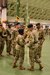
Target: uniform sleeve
{"type": "Point", "coordinates": [35, 37]}
{"type": "Point", "coordinates": [21, 41]}
{"type": "Point", "coordinates": [31, 40]}
{"type": "Point", "coordinates": [17, 39]}
{"type": "Point", "coordinates": [43, 35]}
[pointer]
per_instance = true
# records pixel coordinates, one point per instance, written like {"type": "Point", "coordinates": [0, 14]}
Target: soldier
{"type": "Point", "coordinates": [1, 40]}
{"type": "Point", "coordinates": [15, 34]}
{"type": "Point", "coordinates": [32, 43]}
{"type": "Point", "coordinates": [40, 37]}
{"type": "Point", "coordinates": [9, 39]}
{"type": "Point", "coordinates": [20, 42]}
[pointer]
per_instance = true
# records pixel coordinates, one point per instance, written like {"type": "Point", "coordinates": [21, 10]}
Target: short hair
{"type": "Point", "coordinates": [21, 31]}
{"type": "Point", "coordinates": [30, 25]}
{"type": "Point", "coordinates": [38, 24]}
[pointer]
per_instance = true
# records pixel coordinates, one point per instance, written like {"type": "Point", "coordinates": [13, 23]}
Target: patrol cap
{"type": "Point", "coordinates": [38, 24]}
{"type": "Point", "coordinates": [9, 25]}
{"type": "Point", "coordinates": [17, 23]}
{"type": "Point", "coordinates": [13, 25]}
{"type": "Point", "coordinates": [30, 26]}
{"type": "Point", "coordinates": [21, 31]}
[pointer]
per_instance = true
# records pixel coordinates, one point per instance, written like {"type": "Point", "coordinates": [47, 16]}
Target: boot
{"type": "Point", "coordinates": [21, 68]}
{"type": "Point", "coordinates": [14, 65]}
{"type": "Point", "coordinates": [41, 67]}
{"type": "Point", "coordinates": [31, 68]}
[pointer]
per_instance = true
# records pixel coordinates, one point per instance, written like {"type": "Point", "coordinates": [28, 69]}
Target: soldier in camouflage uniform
{"type": "Point", "coordinates": [40, 37]}
{"type": "Point", "coordinates": [1, 40]}
{"type": "Point", "coordinates": [32, 43]}
{"type": "Point", "coordinates": [20, 42]}
{"type": "Point", "coordinates": [15, 34]}
{"type": "Point", "coordinates": [8, 34]}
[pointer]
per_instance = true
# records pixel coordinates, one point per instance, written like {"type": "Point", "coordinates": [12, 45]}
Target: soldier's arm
{"type": "Point", "coordinates": [16, 39]}
{"type": "Point", "coordinates": [22, 41]}
{"type": "Point", "coordinates": [35, 37]}
{"type": "Point", "coordinates": [43, 35]}
{"type": "Point", "coordinates": [25, 35]}
{"type": "Point", "coordinates": [30, 40]}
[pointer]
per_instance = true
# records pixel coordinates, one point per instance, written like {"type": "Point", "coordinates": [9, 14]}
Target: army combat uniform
{"type": "Point", "coordinates": [32, 49]}
{"type": "Point", "coordinates": [8, 40]}
{"type": "Point", "coordinates": [19, 50]}
{"type": "Point", "coordinates": [41, 39]}
{"type": "Point", "coordinates": [1, 40]}
{"type": "Point", "coordinates": [14, 34]}
{"type": "Point", "coordinates": [33, 45]}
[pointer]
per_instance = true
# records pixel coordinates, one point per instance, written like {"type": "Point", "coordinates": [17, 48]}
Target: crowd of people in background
{"type": "Point", "coordinates": [16, 36]}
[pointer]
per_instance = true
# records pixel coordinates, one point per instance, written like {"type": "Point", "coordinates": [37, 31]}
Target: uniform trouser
{"type": "Point", "coordinates": [33, 56]}
{"type": "Point", "coordinates": [37, 59]}
{"type": "Point", "coordinates": [39, 50]}
{"type": "Point", "coordinates": [19, 55]}
{"type": "Point", "coordinates": [8, 46]}
{"type": "Point", "coordinates": [14, 50]}
{"type": "Point", "coordinates": [1, 47]}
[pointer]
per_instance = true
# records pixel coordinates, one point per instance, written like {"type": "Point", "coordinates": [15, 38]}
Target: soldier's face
{"type": "Point", "coordinates": [12, 28]}
{"type": "Point", "coordinates": [18, 26]}
{"type": "Point", "coordinates": [31, 28]}
{"type": "Point", "coordinates": [38, 27]}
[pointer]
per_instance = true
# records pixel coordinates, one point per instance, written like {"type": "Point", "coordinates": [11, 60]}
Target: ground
{"type": "Point", "coordinates": [6, 63]}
